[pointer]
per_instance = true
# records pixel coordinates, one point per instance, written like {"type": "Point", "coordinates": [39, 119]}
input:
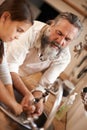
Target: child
{"type": "Point", "coordinates": [15, 19]}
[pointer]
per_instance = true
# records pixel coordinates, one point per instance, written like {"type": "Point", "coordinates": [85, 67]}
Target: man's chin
{"type": "Point", "coordinates": [56, 46]}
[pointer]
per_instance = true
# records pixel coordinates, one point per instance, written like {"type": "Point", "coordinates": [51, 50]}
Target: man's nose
{"type": "Point", "coordinates": [15, 37]}
{"type": "Point", "coordinates": [61, 41]}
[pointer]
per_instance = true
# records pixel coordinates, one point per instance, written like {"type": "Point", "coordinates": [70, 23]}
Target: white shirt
{"type": "Point", "coordinates": [24, 57]}
{"type": "Point", "coordinates": [5, 76]}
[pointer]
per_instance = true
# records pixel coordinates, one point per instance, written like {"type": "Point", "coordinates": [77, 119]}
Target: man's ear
{"type": "Point", "coordinates": [50, 22]}
{"type": "Point", "coordinates": [6, 15]}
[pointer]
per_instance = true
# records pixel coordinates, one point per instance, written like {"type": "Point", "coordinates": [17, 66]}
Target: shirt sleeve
{"type": "Point", "coordinates": [55, 69]}
{"type": "Point", "coordinates": [5, 76]}
{"type": "Point", "coordinates": [18, 49]}
{"type": "Point", "coordinates": [16, 52]}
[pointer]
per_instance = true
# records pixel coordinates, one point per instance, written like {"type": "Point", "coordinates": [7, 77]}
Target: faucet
{"type": "Point", "coordinates": [30, 122]}
{"type": "Point", "coordinates": [56, 104]}
{"type": "Point", "coordinates": [58, 94]}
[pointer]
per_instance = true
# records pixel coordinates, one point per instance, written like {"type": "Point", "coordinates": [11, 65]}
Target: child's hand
{"type": "Point", "coordinates": [27, 105]}
{"type": "Point", "coordinates": [17, 109]}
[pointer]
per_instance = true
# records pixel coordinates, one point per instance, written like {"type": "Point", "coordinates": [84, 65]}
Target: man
{"type": "Point", "coordinates": [43, 48]}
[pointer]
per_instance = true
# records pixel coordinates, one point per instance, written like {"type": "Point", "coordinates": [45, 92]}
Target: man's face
{"type": "Point", "coordinates": [60, 35]}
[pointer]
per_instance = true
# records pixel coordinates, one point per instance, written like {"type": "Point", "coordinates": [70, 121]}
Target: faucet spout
{"type": "Point", "coordinates": [56, 104]}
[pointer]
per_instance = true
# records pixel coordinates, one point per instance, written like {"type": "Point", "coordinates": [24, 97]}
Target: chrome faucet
{"type": "Point", "coordinates": [56, 104]}
{"type": "Point", "coordinates": [30, 122]}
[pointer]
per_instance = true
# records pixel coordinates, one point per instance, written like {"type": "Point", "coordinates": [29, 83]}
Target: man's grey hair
{"type": "Point", "coordinates": [72, 18]}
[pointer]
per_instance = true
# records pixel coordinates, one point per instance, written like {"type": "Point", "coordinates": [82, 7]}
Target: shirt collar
{"type": "Point", "coordinates": [38, 37]}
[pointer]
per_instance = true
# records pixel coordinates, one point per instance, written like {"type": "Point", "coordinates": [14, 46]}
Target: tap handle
{"type": "Point", "coordinates": [42, 97]}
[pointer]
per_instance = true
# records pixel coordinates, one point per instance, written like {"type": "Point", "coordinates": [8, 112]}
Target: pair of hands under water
{"type": "Point", "coordinates": [32, 108]}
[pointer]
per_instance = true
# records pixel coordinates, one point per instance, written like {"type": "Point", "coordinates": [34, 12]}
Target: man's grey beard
{"type": "Point", "coordinates": [48, 51]}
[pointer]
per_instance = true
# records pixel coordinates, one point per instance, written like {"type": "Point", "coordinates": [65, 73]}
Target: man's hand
{"type": "Point", "coordinates": [40, 105]}
{"type": "Point", "coordinates": [39, 108]}
{"type": "Point", "coordinates": [30, 108]}
{"type": "Point", "coordinates": [27, 105]}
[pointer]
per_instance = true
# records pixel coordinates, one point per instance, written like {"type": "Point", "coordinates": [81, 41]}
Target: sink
{"type": "Point", "coordinates": [40, 123]}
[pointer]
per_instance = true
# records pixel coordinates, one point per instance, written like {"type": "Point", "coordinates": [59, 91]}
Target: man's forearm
{"type": "Point", "coordinates": [18, 84]}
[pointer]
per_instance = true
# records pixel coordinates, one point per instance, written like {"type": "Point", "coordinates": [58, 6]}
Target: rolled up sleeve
{"type": "Point", "coordinates": [5, 76]}
{"type": "Point", "coordinates": [16, 54]}
{"type": "Point", "coordinates": [55, 69]}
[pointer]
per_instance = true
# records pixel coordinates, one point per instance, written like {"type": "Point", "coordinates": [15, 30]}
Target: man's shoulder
{"type": "Point", "coordinates": [38, 24]}
{"type": "Point", "coordinates": [34, 29]}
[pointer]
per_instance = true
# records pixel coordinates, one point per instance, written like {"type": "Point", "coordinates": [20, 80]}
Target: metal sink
{"type": "Point", "coordinates": [40, 123]}
{"type": "Point", "coordinates": [33, 124]}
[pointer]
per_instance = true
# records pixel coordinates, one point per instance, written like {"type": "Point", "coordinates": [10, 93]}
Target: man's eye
{"type": "Point", "coordinates": [67, 39]}
{"type": "Point", "coordinates": [58, 32]}
{"type": "Point", "coordinates": [19, 30]}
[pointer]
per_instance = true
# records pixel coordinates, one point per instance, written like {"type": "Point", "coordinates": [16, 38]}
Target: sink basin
{"type": "Point", "coordinates": [40, 123]}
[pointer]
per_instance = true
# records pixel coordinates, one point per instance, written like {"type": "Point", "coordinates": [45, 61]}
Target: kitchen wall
{"type": "Point", "coordinates": [37, 3]}
{"type": "Point", "coordinates": [73, 70]}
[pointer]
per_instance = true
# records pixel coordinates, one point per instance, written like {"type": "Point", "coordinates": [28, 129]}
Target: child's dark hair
{"type": "Point", "coordinates": [19, 10]}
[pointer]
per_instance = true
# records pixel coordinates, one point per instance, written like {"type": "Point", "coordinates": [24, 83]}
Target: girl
{"type": "Point", "coordinates": [15, 19]}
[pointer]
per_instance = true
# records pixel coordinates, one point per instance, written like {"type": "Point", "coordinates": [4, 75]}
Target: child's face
{"type": "Point", "coordinates": [10, 30]}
